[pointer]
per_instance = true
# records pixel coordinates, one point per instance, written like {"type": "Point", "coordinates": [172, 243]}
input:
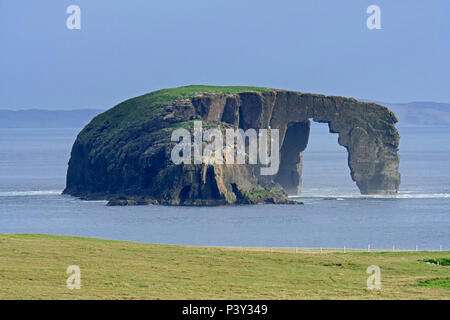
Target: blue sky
{"type": "Point", "coordinates": [127, 48]}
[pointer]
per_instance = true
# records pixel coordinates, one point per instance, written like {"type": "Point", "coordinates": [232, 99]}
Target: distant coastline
{"type": "Point", "coordinates": [39, 118]}
{"type": "Point", "coordinates": [409, 114]}
{"type": "Point", "coordinates": [419, 113]}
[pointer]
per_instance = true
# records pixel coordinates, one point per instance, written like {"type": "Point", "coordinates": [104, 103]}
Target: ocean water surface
{"type": "Point", "coordinates": [33, 164]}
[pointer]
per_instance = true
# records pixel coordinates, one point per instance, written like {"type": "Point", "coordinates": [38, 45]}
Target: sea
{"type": "Point", "coordinates": [33, 165]}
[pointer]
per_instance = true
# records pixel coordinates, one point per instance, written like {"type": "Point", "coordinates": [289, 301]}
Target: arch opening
{"type": "Point", "coordinates": [325, 163]}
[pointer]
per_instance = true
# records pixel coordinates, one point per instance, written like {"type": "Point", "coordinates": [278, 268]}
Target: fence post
{"type": "Point", "coordinates": [368, 248]}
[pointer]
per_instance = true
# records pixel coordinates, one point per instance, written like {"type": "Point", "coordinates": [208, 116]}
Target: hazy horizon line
{"type": "Point", "coordinates": [103, 108]}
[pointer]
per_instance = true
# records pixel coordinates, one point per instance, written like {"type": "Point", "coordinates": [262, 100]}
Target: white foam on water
{"type": "Point", "coordinates": [361, 196]}
{"type": "Point", "coordinates": [30, 193]}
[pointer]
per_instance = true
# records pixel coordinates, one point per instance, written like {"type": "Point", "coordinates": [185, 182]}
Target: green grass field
{"type": "Point", "coordinates": [34, 267]}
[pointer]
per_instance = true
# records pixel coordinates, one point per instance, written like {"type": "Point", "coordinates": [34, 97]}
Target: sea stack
{"type": "Point", "coordinates": [124, 154]}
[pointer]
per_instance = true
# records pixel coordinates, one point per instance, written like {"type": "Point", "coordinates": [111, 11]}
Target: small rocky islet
{"type": "Point", "coordinates": [124, 154]}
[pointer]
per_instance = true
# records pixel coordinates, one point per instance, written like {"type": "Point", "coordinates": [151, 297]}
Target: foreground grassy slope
{"type": "Point", "coordinates": [33, 267]}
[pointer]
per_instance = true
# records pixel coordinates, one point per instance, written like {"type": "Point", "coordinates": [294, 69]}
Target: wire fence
{"type": "Point", "coordinates": [344, 249]}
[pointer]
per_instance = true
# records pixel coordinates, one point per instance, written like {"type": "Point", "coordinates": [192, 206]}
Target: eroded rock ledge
{"type": "Point", "coordinates": [123, 154]}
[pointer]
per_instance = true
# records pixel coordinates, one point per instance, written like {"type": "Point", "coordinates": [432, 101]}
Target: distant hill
{"type": "Point", "coordinates": [424, 113]}
{"type": "Point", "coordinates": [35, 118]}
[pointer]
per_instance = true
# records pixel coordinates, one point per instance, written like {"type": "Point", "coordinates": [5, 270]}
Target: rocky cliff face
{"type": "Point", "coordinates": [124, 154]}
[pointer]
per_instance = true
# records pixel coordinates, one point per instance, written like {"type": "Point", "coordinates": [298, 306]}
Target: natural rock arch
{"type": "Point", "coordinates": [366, 130]}
{"type": "Point", "coordinates": [124, 153]}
